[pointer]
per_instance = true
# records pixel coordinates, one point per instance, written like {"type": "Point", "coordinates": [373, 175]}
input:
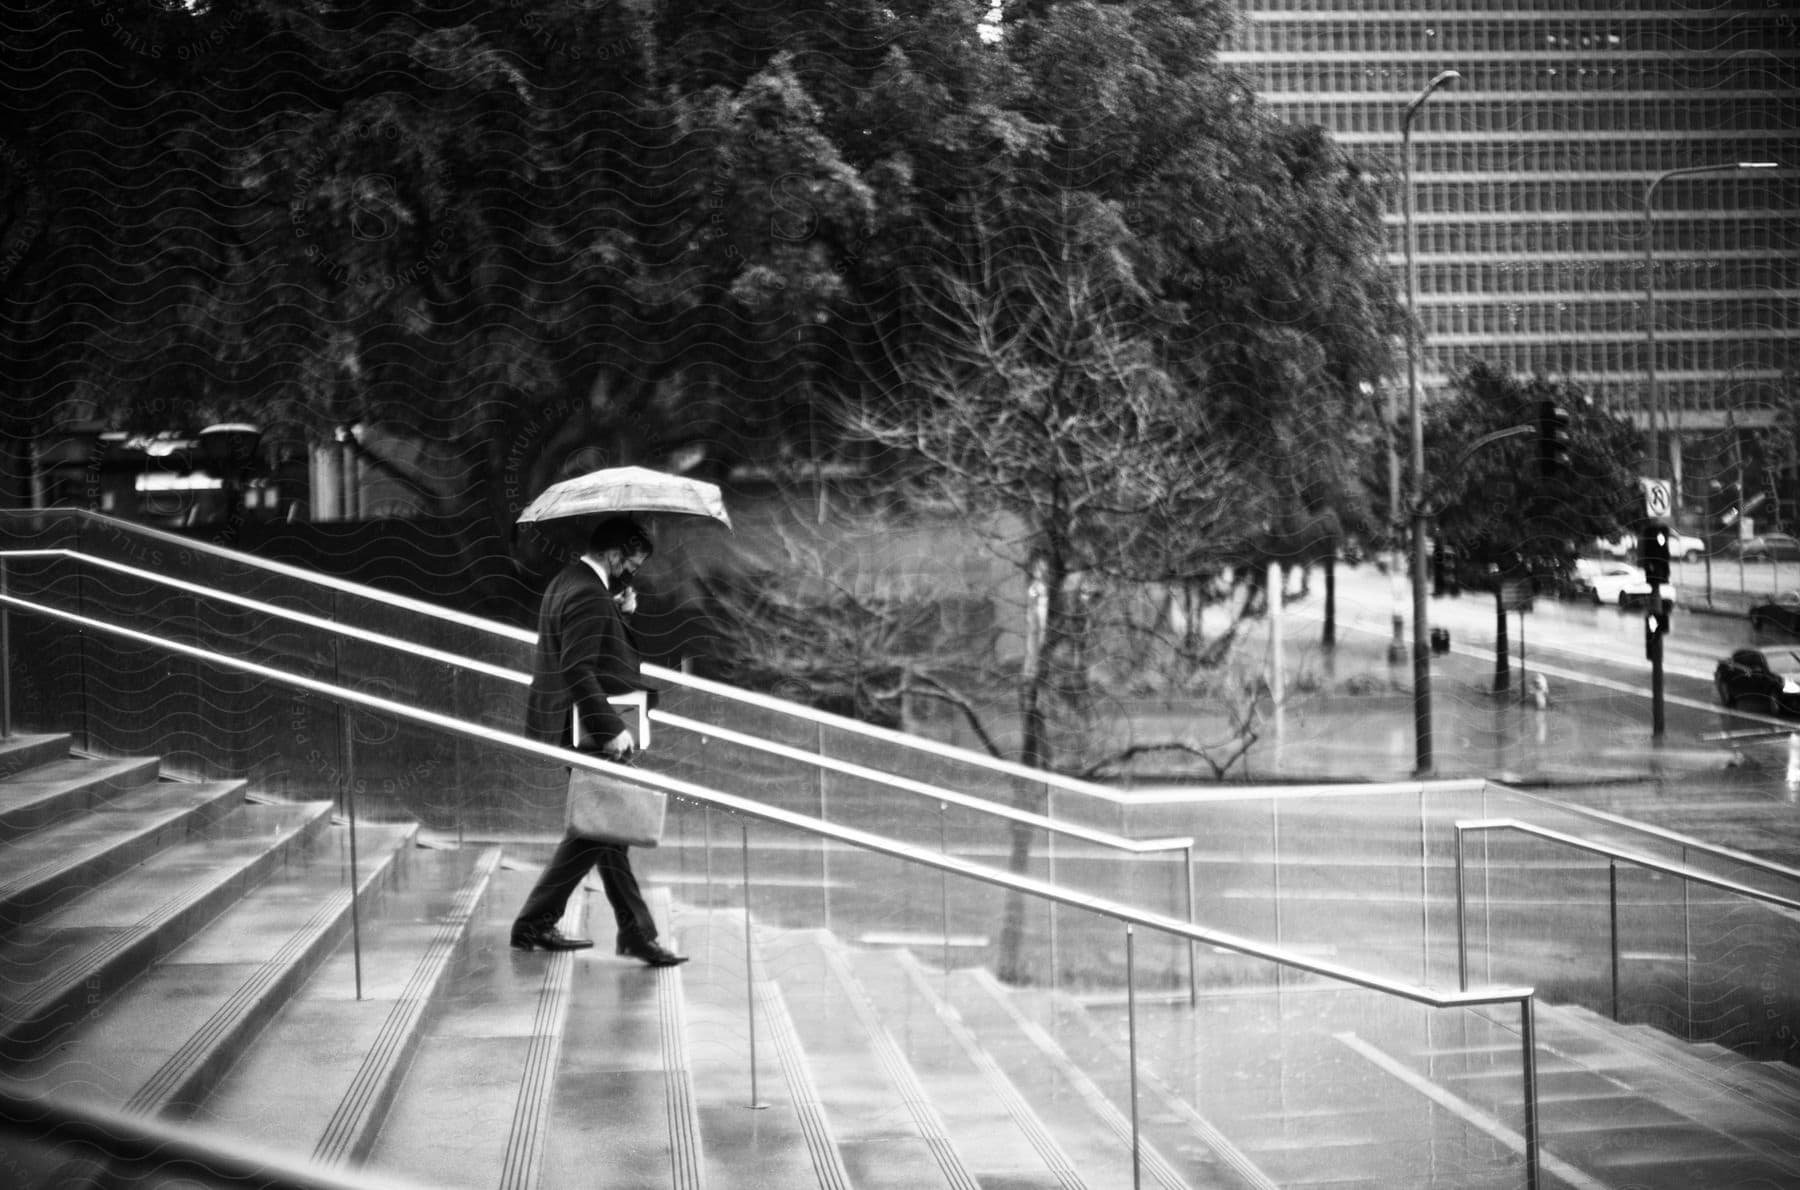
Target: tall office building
{"type": "Point", "coordinates": [1533, 173]}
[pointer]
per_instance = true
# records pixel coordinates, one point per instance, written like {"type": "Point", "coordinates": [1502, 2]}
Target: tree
{"type": "Point", "coordinates": [530, 234]}
{"type": "Point", "coordinates": [1505, 520]}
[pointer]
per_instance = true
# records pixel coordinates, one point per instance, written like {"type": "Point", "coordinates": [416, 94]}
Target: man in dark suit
{"type": "Point", "coordinates": [584, 654]}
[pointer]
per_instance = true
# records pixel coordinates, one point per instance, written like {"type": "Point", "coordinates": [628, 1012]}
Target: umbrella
{"type": "Point", "coordinates": [626, 490]}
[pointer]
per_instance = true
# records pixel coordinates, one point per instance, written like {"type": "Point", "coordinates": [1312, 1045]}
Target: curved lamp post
{"type": "Point", "coordinates": [1421, 653]}
{"type": "Point", "coordinates": [1661, 466]}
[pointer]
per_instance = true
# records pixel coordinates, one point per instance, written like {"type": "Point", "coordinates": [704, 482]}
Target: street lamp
{"type": "Point", "coordinates": [1653, 409]}
{"type": "Point", "coordinates": [1421, 655]}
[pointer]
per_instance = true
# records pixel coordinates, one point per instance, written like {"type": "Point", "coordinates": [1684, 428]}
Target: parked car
{"type": "Point", "coordinates": [1769, 547]}
{"type": "Point", "coordinates": [1620, 547]}
{"type": "Point", "coordinates": [1682, 548]}
{"type": "Point", "coordinates": [1614, 582]}
{"type": "Point", "coordinates": [1744, 679]}
{"type": "Point", "coordinates": [1782, 612]}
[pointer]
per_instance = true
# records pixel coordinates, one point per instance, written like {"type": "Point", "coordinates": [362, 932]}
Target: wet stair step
{"type": "Point", "coordinates": [320, 1079]}
{"type": "Point", "coordinates": [990, 1118]}
{"type": "Point", "coordinates": [28, 750]}
{"type": "Point", "coordinates": [1082, 1089]}
{"type": "Point", "coordinates": [473, 1108]}
{"type": "Point", "coordinates": [1287, 1103]}
{"type": "Point", "coordinates": [1627, 1101]}
{"type": "Point", "coordinates": [888, 1131]}
{"type": "Point", "coordinates": [63, 787]}
{"type": "Point", "coordinates": [165, 1039]}
{"type": "Point", "coordinates": [52, 866]}
{"type": "Point", "coordinates": [761, 1127]}
{"type": "Point", "coordinates": [90, 950]}
{"type": "Point", "coordinates": [623, 1090]}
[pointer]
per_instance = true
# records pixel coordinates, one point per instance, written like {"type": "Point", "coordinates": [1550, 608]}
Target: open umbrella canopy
{"type": "Point", "coordinates": [626, 490]}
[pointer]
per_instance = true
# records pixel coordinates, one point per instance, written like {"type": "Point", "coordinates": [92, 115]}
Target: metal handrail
{"type": "Point", "coordinates": [154, 1145]}
{"type": "Point", "coordinates": [309, 577]}
{"type": "Point", "coordinates": [925, 788]}
{"type": "Point", "coordinates": [865, 840]}
{"type": "Point", "coordinates": [1686, 842]}
{"type": "Point", "coordinates": [1614, 855]}
{"type": "Point", "coordinates": [1127, 915]}
{"type": "Point", "coordinates": [792, 709]}
{"type": "Point", "coordinates": [520, 677]}
{"type": "Point", "coordinates": [337, 627]}
{"type": "Point", "coordinates": [525, 636]}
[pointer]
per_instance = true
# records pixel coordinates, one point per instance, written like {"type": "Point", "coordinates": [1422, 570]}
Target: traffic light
{"type": "Point", "coordinates": [1656, 626]}
{"type": "Point", "coordinates": [1653, 551]}
{"type": "Point", "coordinates": [1552, 439]}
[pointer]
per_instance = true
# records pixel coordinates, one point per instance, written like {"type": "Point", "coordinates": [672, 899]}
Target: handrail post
{"type": "Point", "coordinates": [1132, 1048]}
{"type": "Point", "coordinates": [824, 844]}
{"type": "Point", "coordinates": [1687, 948]}
{"type": "Point", "coordinates": [944, 880]}
{"type": "Point", "coordinates": [5, 658]}
{"type": "Point", "coordinates": [349, 777]}
{"type": "Point", "coordinates": [1187, 867]}
{"type": "Point", "coordinates": [1612, 897]}
{"type": "Point", "coordinates": [1050, 872]}
{"type": "Point", "coordinates": [1462, 920]}
{"type": "Point", "coordinates": [749, 971]}
{"type": "Point", "coordinates": [1528, 1043]}
{"type": "Point", "coordinates": [706, 853]}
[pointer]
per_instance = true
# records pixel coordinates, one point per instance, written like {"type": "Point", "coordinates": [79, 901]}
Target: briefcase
{"type": "Point", "coordinates": [614, 809]}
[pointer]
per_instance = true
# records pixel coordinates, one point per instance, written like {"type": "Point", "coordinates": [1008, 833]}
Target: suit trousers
{"type": "Point", "coordinates": [563, 875]}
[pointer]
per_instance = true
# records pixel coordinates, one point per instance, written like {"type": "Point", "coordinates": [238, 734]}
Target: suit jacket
{"type": "Point", "coordinates": [584, 653]}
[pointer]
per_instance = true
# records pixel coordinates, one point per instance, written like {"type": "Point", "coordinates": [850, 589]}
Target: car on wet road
{"type": "Point", "coordinates": [1746, 681]}
{"type": "Point", "coordinates": [1781, 613]}
{"type": "Point", "coordinates": [1769, 547]}
{"type": "Point", "coordinates": [1618, 583]}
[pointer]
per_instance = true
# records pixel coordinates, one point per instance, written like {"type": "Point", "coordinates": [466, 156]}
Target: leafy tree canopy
{"type": "Point", "coordinates": [1493, 503]}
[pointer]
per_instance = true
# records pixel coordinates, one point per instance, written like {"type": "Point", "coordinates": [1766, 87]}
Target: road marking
{"type": "Point", "coordinates": [1571, 675]}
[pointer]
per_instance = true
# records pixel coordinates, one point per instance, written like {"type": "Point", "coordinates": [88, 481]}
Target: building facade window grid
{"type": "Point", "coordinates": [1530, 178]}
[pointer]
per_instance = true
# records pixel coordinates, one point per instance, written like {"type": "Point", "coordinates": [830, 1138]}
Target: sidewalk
{"type": "Point", "coordinates": [1586, 734]}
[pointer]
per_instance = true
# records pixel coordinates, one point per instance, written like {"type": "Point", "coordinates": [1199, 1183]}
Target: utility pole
{"type": "Point", "coordinates": [1421, 521]}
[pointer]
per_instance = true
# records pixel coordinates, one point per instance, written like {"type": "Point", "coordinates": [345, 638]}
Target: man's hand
{"type": "Point", "coordinates": [620, 747]}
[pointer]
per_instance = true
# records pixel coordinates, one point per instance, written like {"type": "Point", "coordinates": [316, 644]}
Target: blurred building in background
{"type": "Point", "coordinates": [1530, 180]}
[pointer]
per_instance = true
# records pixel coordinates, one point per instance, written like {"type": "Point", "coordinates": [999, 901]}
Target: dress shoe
{"type": "Point", "coordinates": [652, 953]}
{"type": "Point", "coordinates": [546, 938]}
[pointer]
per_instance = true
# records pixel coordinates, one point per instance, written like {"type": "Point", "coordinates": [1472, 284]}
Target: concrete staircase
{"type": "Point", "coordinates": [181, 952]}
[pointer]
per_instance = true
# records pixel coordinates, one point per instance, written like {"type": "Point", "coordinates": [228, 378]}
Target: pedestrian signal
{"type": "Point", "coordinates": [1653, 552]}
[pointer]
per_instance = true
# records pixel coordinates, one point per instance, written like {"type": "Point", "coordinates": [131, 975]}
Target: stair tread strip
{"type": "Point", "coordinates": [175, 1079]}
{"type": "Point", "coordinates": [96, 950]}
{"type": "Point", "coordinates": [874, 1120]}
{"type": "Point", "coordinates": [689, 1165]}
{"type": "Point", "coordinates": [900, 1072]}
{"type": "Point", "coordinates": [522, 1165]}
{"type": "Point", "coordinates": [994, 1079]}
{"type": "Point", "coordinates": [791, 1143]}
{"type": "Point", "coordinates": [815, 1124]}
{"type": "Point", "coordinates": [352, 1127]}
{"type": "Point", "coordinates": [290, 1088]}
{"type": "Point", "coordinates": [1176, 1104]}
{"type": "Point", "coordinates": [175, 1031]}
{"type": "Point", "coordinates": [1098, 1103]}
